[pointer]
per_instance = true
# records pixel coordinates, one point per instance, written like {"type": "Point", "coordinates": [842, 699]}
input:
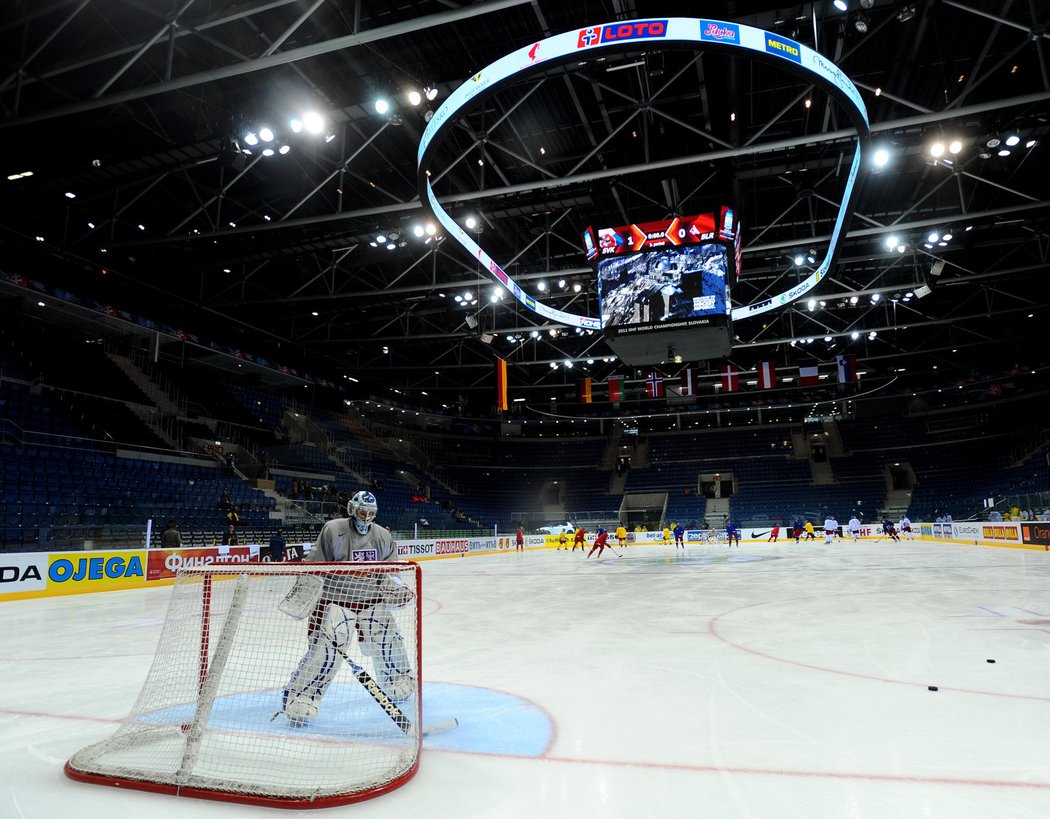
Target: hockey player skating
{"type": "Point", "coordinates": [348, 610]}
{"type": "Point", "coordinates": [600, 539]}
{"type": "Point", "coordinates": [732, 533]}
{"type": "Point", "coordinates": [774, 533]}
{"type": "Point", "coordinates": [667, 535]}
{"type": "Point", "coordinates": [811, 533]}
{"type": "Point", "coordinates": [831, 528]}
{"type": "Point", "coordinates": [519, 540]}
{"type": "Point", "coordinates": [563, 541]}
{"type": "Point", "coordinates": [889, 530]}
{"type": "Point", "coordinates": [621, 536]}
{"type": "Point", "coordinates": [679, 536]}
{"type": "Point", "coordinates": [904, 527]}
{"type": "Point", "coordinates": [580, 539]}
{"type": "Point", "coordinates": [854, 528]}
{"type": "Point", "coordinates": [796, 529]}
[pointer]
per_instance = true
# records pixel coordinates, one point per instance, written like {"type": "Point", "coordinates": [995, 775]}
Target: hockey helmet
{"type": "Point", "coordinates": [361, 509]}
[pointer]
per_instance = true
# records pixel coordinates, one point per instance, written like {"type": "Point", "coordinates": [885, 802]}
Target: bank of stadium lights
{"type": "Point", "coordinates": [938, 239]}
{"type": "Point", "coordinates": [881, 158]}
{"type": "Point", "coordinates": [938, 149]}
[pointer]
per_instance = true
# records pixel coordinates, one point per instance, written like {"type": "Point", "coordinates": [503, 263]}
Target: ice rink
{"type": "Point", "coordinates": [773, 680]}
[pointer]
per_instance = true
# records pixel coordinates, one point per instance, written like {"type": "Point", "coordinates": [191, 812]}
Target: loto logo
{"type": "Point", "coordinates": [617, 32]}
{"type": "Point", "coordinates": [94, 568]}
{"type": "Point", "coordinates": [719, 32]}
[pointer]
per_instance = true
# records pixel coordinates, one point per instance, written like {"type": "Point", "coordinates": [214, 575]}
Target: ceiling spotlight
{"type": "Point", "coordinates": [296, 125]}
{"type": "Point", "coordinates": [284, 149]}
{"type": "Point", "coordinates": [875, 297]}
{"type": "Point", "coordinates": [313, 123]}
{"type": "Point", "coordinates": [418, 231]}
{"type": "Point", "coordinates": [901, 248]}
{"type": "Point", "coordinates": [577, 287]}
{"type": "Point", "coordinates": [561, 283]}
{"type": "Point", "coordinates": [329, 137]}
{"type": "Point", "coordinates": [890, 242]}
{"type": "Point", "coordinates": [905, 14]}
{"type": "Point", "coordinates": [471, 223]}
{"type": "Point", "coordinates": [431, 229]}
{"type": "Point", "coordinates": [265, 134]}
{"type": "Point", "coordinates": [954, 146]}
{"type": "Point", "coordinates": [933, 237]}
{"type": "Point", "coordinates": [854, 335]}
{"type": "Point", "coordinates": [827, 339]}
{"type": "Point", "coordinates": [853, 299]}
{"type": "Point", "coordinates": [541, 286]}
{"type": "Point", "coordinates": [811, 258]}
{"type": "Point", "coordinates": [799, 260]}
{"type": "Point", "coordinates": [861, 23]}
{"type": "Point", "coordinates": [268, 152]}
{"type": "Point", "coordinates": [1012, 140]}
{"type": "Point", "coordinates": [841, 5]}
{"type": "Point", "coordinates": [992, 143]}
{"type": "Point", "coordinates": [314, 313]}
{"type": "Point", "coordinates": [937, 150]}
{"type": "Point", "coordinates": [414, 97]}
{"type": "Point", "coordinates": [381, 238]}
{"type": "Point", "coordinates": [390, 246]}
{"type": "Point", "coordinates": [468, 296]}
{"type": "Point", "coordinates": [70, 195]}
{"type": "Point", "coordinates": [947, 237]}
{"type": "Point", "coordinates": [251, 139]}
{"type": "Point", "coordinates": [881, 158]}
{"type": "Point", "coordinates": [382, 106]}
{"type": "Point", "coordinates": [430, 93]}
{"type": "Point", "coordinates": [1031, 143]}
{"type": "Point", "coordinates": [1004, 152]}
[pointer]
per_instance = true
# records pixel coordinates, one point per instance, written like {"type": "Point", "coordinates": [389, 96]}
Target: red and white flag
{"type": "Point", "coordinates": [654, 385]}
{"type": "Point", "coordinates": [688, 382]}
{"type": "Point", "coordinates": [730, 378]}
{"type": "Point", "coordinates": [767, 375]}
{"type": "Point", "coordinates": [808, 376]}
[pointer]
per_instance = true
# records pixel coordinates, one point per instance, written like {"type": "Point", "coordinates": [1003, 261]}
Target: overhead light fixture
{"type": "Point", "coordinates": [414, 97]}
{"type": "Point", "coordinates": [70, 195]}
{"type": "Point", "coordinates": [954, 146]}
{"type": "Point", "coordinates": [265, 134]}
{"type": "Point", "coordinates": [251, 139]}
{"type": "Point", "coordinates": [890, 242]}
{"type": "Point", "coordinates": [880, 158]}
{"type": "Point", "coordinates": [1004, 152]}
{"type": "Point", "coordinates": [799, 261]}
{"type": "Point", "coordinates": [1012, 140]}
{"type": "Point", "coordinates": [268, 152]}
{"type": "Point", "coordinates": [471, 223]}
{"type": "Point", "coordinates": [430, 93]}
{"type": "Point", "coordinates": [841, 5]}
{"type": "Point", "coordinates": [418, 231]}
{"type": "Point", "coordinates": [284, 149]}
{"type": "Point", "coordinates": [937, 150]}
{"type": "Point", "coordinates": [382, 106]}
{"type": "Point", "coordinates": [313, 122]}
{"type": "Point", "coordinates": [906, 14]}
{"type": "Point", "coordinates": [861, 23]}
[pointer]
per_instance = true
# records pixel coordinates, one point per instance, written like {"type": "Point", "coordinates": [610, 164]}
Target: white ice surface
{"type": "Point", "coordinates": [790, 686]}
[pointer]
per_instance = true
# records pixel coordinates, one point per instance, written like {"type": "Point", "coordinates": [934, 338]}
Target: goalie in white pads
{"type": "Point", "coordinates": [346, 609]}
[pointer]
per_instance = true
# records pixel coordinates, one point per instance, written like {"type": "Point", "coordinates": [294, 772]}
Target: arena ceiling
{"type": "Point", "coordinates": [131, 117]}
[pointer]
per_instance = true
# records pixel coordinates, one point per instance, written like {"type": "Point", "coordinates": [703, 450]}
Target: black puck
{"type": "Point", "coordinates": [989, 661]}
{"type": "Point", "coordinates": [931, 688]}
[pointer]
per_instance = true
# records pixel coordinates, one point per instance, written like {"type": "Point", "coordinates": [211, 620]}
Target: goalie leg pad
{"type": "Point", "coordinates": [383, 643]}
{"type": "Point", "coordinates": [301, 699]}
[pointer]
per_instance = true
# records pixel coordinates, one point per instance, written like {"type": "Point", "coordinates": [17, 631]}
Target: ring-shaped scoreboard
{"type": "Point", "coordinates": [577, 47]}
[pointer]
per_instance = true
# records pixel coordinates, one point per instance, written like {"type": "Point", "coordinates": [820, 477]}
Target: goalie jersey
{"type": "Point", "coordinates": [339, 541]}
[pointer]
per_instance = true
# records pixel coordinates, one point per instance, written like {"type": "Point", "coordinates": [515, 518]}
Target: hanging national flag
{"type": "Point", "coordinates": [615, 385]}
{"type": "Point", "coordinates": [688, 382]}
{"type": "Point", "coordinates": [767, 375]}
{"type": "Point", "coordinates": [847, 368]}
{"type": "Point", "coordinates": [501, 385]}
{"type": "Point", "coordinates": [654, 385]}
{"type": "Point", "coordinates": [808, 376]}
{"type": "Point", "coordinates": [585, 390]}
{"type": "Point", "coordinates": [730, 378]}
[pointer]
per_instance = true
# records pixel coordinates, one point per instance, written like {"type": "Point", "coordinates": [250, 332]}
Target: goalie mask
{"type": "Point", "coordinates": [361, 509]}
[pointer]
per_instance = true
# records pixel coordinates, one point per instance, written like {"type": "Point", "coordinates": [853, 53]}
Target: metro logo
{"type": "Point", "coordinates": [616, 32]}
{"type": "Point", "coordinates": [782, 47]}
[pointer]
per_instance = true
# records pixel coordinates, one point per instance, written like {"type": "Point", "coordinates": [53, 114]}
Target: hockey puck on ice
{"type": "Point", "coordinates": [931, 688]}
{"type": "Point", "coordinates": [989, 661]}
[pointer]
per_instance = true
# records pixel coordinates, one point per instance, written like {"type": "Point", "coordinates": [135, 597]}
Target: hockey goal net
{"type": "Point", "coordinates": [212, 719]}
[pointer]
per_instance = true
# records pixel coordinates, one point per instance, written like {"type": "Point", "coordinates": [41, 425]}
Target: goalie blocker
{"type": "Point", "coordinates": [230, 655]}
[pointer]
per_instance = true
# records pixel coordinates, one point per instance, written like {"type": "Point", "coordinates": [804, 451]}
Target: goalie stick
{"type": "Point", "coordinates": [387, 704]}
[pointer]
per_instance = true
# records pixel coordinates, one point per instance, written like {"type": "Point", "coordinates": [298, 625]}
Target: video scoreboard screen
{"type": "Point", "coordinates": [664, 287]}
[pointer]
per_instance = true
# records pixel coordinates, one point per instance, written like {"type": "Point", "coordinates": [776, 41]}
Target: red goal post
{"type": "Point", "coordinates": [208, 722]}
